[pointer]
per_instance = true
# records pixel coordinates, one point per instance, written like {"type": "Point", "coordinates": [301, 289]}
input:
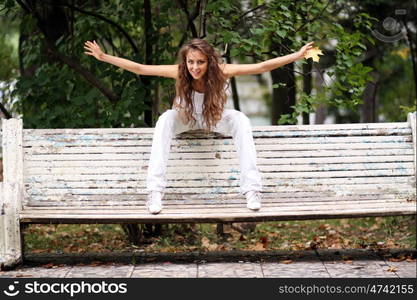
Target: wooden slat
{"type": "Point", "coordinates": [186, 195]}
{"type": "Point", "coordinates": [226, 173]}
{"type": "Point", "coordinates": [227, 169]}
{"type": "Point", "coordinates": [225, 155]}
{"type": "Point", "coordinates": [114, 180]}
{"type": "Point", "coordinates": [128, 140]}
{"type": "Point", "coordinates": [217, 189]}
{"type": "Point", "coordinates": [210, 162]}
{"type": "Point", "coordinates": [213, 209]}
{"type": "Point", "coordinates": [177, 216]}
{"type": "Point", "coordinates": [181, 201]}
{"type": "Point", "coordinates": [255, 128]}
{"type": "Point", "coordinates": [233, 183]}
{"type": "Point", "coordinates": [219, 148]}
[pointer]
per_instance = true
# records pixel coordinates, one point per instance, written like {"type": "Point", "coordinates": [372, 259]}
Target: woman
{"type": "Point", "coordinates": [200, 98]}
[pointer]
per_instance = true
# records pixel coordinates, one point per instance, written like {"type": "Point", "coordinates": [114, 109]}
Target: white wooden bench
{"type": "Point", "coordinates": [308, 171]}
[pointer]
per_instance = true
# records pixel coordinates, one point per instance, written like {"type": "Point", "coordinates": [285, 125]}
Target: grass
{"type": "Point", "coordinates": [364, 233]}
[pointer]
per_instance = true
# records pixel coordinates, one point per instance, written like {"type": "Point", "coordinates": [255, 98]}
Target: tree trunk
{"type": "Point", "coordinates": [307, 85]}
{"type": "Point", "coordinates": [282, 97]}
{"type": "Point", "coordinates": [370, 105]}
{"type": "Point", "coordinates": [321, 110]}
{"type": "Point", "coordinates": [235, 94]}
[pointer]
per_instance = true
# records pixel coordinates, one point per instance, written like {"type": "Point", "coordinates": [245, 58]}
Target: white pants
{"type": "Point", "coordinates": [233, 123]}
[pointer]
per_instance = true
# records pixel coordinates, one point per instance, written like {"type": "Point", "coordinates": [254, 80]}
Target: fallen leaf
{"type": "Point", "coordinates": [257, 247]}
{"type": "Point", "coordinates": [287, 261]}
{"type": "Point", "coordinates": [392, 269]}
{"type": "Point", "coordinates": [205, 242]}
{"type": "Point", "coordinates": [264, 241]}
{"type": "Point", "coordinates": [314, 54]}
{"type": "Point", "coordinates": [348, 261]}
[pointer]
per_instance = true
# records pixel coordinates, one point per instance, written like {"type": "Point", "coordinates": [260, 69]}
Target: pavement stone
{"type": "Point", "coordinates": [356, 263]}
{"type": "Point", "coordinates": [403, 269]}
{"type": "Point", "coordinates": [165, 270]}
{"type": "Point", "coordinates": [310, 264]}
{"type": "Point", "coordinates": [233, 270]}
{"type": "Point", "coordinates": [297, 269]}
{"type": "Point", "coordinates": [101, 271]}
{"type": "Point", "coordinates": [37, 272]}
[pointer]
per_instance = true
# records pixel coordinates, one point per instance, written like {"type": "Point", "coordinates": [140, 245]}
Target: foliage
{"type": "Point", "coordinates": [295, 23]}
{"type": "Point", "coordinates": [396, 90]}
{"type": "Point", "coordinates": [54, 95]}
{"type": "Point", "coordinates": [8, 59]}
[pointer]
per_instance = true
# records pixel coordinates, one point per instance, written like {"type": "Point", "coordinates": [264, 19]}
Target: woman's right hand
{"type": "Point", "coordinates": [93, 49]}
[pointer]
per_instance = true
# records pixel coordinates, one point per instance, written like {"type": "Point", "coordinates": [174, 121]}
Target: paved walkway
{"type": "Point", "coordinates": [318, 264]}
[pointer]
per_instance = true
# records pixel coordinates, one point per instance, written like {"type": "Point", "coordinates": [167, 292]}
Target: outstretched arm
{"type": "Point", "coordinates": [231, 70]}
{"type": "Point", "coordinates": [93, 49]}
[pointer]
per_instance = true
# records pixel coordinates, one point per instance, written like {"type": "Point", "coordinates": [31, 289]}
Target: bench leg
{"type": "Point", "coordinates": [11, 194]}
{"type": "Point", "coordinates": [10, 242]}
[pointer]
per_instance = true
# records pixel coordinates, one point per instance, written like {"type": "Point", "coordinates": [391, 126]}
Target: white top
{"type": "Point", "coordinates": [198, 102]}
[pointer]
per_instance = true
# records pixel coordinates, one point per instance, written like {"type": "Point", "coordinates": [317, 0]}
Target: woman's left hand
{"type": "Point", "coordinates": [303, 51]}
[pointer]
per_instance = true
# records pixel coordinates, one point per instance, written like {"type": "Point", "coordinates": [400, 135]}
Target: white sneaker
{"type": "Point", "coordinates": [154, 202]}
{"type": "Point", "coordinates": [253, 200]}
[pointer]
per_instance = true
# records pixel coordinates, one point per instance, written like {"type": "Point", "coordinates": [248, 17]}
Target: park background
{"type": "Point", "coordinates": [367, 73]}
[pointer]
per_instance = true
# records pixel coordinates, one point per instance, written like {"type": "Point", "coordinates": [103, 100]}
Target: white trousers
{"type": "Point", "coordinates": [233, 123]}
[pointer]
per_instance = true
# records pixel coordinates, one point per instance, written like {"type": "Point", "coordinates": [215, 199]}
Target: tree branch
{"type": "Point", "coordinates": [315, 18]}
{"type": "Point", "coordinates": [5, 112]}
{"type": "Point", "coordinates": [192, 17]}
{"type": "Point", "coordinates": [120, 28]}
{"type": "Point", "coordinates": [72, 63]}
{"type": "Point", "coordinates": [251, 10]}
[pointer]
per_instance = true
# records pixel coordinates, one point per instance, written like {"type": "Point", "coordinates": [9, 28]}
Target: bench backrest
{"type": "Point", "coordinates": [102, 167]}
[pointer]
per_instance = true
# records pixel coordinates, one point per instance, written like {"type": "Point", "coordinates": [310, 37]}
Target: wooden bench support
{"type": "Point", "coordinates": [12, 193]}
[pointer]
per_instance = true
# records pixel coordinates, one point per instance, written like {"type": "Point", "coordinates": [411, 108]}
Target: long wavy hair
{"type": "Point", "coordinates": [215, 85]}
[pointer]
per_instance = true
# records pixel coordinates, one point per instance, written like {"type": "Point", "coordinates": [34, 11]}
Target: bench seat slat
{"type": "Point", "coordinates": [132, 180]}
{"type": "Point", "coordinates": [202, 202]}
{"type": "Point", "coordinates": [273, 182]}
{"type": "Point", "coordinates": [200, 170]}
{"type": "Point", "coordinates": [224, 155]}
{"type": "Point", "coordinates": [41, 144]}
{"type": "Point", "coordinates": [175, 216]}
{"type": "Point", "coordinates": [231, 161]}
{"type": "Point", "coordinates": [218, 148]}
{"type": "Point", "coordinates": [255, 128]}
{"type": "Point", "coordinates": [136, 140]}
{"type": "Point", "coordinates": [139, 174]}
{"type": "Point", "coordinates": [305, 205]}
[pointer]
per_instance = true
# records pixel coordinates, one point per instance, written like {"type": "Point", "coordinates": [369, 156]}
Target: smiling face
{"type": "Point", "coordinates": [197, 63]}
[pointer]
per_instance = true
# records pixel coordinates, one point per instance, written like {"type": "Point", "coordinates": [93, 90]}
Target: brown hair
{"type": "Point", "coordinates": [214, 95]}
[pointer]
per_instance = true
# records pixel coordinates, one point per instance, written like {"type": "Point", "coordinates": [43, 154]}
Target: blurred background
{"type": "Point", "coordinates": [367, 72]}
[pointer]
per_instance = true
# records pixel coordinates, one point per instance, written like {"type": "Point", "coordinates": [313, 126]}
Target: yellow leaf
{"type": "Point", "coordinates": [314, 54]}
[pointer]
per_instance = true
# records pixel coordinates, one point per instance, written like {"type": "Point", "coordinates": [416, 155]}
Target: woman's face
{"type": "Point", "coordinates": [197, 63]}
